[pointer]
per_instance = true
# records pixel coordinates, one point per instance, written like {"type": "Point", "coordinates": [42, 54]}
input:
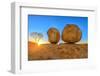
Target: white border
{"type": "Point", "coordinates": [19, 37]}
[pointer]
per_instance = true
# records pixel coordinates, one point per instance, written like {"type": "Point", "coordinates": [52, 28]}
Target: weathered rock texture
{"type": "Point", "coordinates": [53, 35]}
{"type": "Point", "coordinates": [71, 33]}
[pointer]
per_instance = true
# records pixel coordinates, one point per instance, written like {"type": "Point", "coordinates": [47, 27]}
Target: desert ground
{"type": "Point", "coordinates": [54, 51]}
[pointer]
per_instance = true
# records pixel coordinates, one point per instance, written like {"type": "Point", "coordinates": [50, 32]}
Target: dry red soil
{"type": "Point", "coordinates": [54, 51]}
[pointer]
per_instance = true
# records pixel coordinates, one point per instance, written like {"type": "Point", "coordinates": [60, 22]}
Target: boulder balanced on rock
{"type": "Point", "coordinates": [71, 33]}
{"type": "Point", "coordinates": [53, 35]}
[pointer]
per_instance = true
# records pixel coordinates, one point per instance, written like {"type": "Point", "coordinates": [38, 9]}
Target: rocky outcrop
{"type": "Point", "coordinates": [71, 33]}
{"type": "Point", "coordinates": [53, 35]}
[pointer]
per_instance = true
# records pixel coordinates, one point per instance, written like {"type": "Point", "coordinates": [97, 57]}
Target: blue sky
{"type": "Point", "coordinates": [41, 24]}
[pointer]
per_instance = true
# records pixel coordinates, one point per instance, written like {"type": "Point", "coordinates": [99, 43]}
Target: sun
{"type": "Point", "coordinates": [42, 42]}
{"type": "Point", "coordinates": [39, 43]}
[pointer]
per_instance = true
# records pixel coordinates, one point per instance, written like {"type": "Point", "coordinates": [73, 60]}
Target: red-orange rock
{"type": "Point", "coordinates": [53, 35]}
{"type": "Point", "coordinates": [71, 33]}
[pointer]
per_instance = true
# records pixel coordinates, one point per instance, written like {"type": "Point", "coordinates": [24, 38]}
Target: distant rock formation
{"type": "Point", "coordinates": [53, 35]}
{"type": "Point", "coordinates": [71, 33]}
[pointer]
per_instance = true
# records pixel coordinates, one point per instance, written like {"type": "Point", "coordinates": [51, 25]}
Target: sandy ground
{"type": "Point", "coordinates": [54, 51]}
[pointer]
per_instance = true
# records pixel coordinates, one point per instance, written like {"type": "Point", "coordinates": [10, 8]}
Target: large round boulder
{"type": "Point", "coordinates": [53, 35]}
{"type": "Point", "coordinates": [71, 33]}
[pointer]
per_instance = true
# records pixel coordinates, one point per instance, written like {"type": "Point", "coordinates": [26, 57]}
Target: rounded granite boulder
{"type": "Point", "coordinates": [53, 35]}
{"type": "Point", "coordinates": [71, 33]}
